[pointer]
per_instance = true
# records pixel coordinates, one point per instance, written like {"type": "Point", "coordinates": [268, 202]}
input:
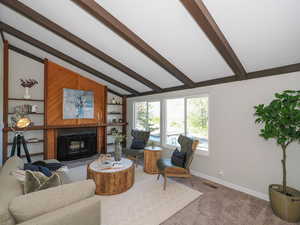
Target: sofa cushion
{"type": "Point", "coordinates": [48, 200]}
{"type": "Point", "coordinates": [36, 181]}
{"type": "Point", "coordinates": [10, 188]}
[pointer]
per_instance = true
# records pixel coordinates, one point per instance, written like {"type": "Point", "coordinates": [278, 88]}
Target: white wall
{"type": "Point", "coordinates": [235, 148]}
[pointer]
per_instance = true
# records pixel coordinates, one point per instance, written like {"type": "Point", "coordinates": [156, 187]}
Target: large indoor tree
{"type": "Point", "coordinates": [281, 121]}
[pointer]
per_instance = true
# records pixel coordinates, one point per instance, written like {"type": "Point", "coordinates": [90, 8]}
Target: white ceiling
{"type": "Point", "coordinates": [77, 21]}
{"type": "Point", "coordinates": [37, 52]}
{"type": "Point", "coordinates": [168, 27]}
{"type": "Point", "coordinates": [264, 34]}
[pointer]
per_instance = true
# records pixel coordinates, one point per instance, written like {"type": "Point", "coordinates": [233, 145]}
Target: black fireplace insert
{"type": "Point", "coordinates": [76, 143]}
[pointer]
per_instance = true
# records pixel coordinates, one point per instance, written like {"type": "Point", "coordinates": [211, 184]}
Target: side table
{"type": "Point", "coordinates": [151, 155]}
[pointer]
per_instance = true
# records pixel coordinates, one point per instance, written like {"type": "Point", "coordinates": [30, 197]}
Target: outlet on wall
{"type": "Point", "coordinates": [221, 173]}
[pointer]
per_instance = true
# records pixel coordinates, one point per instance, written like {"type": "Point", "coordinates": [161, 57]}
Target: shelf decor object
{"type": "Point", "coordinates": [27, 84]}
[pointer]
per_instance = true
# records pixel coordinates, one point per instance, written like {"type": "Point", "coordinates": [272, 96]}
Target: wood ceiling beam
{"type": "Point", "coordinates": [60, 31]}
{"type": "Point", "coordinates": [252, 75]}
{"type": "Point", "coordinates": [26, 38]}
{"type": "Point", "coordinates": [25, 53]}
{"type": "Point", "coordinates": [119, 28]}
{"type": "Point", "coordinates": [274, 71]}
{"type": "Point", "coordinates": [201, 15]}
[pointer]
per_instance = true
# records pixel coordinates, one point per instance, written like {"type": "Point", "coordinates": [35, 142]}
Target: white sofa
{"type": "Point", "coordinates": [68, 204]}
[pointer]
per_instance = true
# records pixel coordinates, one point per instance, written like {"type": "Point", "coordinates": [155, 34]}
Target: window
{"type": "Point", "coordinates": [188, 116]}
{"type": "Point", "coordinates": [147, 117]}
{"type": "Point", "coordinates": [175, 120]}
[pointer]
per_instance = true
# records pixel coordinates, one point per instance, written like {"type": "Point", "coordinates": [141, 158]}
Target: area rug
{"type": "Point", "coordinates": [146, 203]}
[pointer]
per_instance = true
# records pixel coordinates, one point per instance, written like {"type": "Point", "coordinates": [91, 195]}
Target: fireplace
{"type": "Point", "coordinates": [76, 143]}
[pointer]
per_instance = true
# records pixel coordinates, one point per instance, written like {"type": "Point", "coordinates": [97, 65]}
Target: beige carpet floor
{"type": "Point", "coordinates": [146, 203]}
{"type": "Point", "coordinates": [220, 206]}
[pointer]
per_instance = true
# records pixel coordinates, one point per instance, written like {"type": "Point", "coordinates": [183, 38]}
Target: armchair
{"type": "Point", "coordinates": [168, 169]}
{"type": "Point", "coordinates": [135, 154]}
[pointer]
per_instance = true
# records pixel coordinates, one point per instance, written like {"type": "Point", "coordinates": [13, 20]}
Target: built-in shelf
{"type": "Point", "coordinates": [23, 99]}
{"type": "Point", "coordinates": [28, 128]}
{"type": "Point", "coordinates": [114, 113]}
{"type": "Point", "coordinates": [30, 142]}
{"type": "Point", "coordinates": [33, 154]}
{"type": "Point", "coordinates": [110, 134]}
{"type": "Point", "coordinates": [29, 113]}
{"type": "Point", "coordinates": [116, 124]}
{"type": "Point", "coordinates": [113, 104]}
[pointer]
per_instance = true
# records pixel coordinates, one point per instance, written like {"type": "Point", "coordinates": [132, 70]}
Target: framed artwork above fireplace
{"type": "Point", "coordinates": [78, 104]}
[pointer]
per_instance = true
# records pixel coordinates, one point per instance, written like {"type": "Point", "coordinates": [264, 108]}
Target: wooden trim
{"type": "Point", "coordinates": [45, 108]}
{"type": "Point", "coordinates": [204, 19]}
{"type": "Point", "coordinates": [115, 25]}
{"type": "Point", "coordinates": [24, 53]}
{"type": "Point", "coordinates": [124, 118]}
{"type": "Point", "coordinates": [105, 121]}
{"type": "Point", "coordinates": [5, 96]}
{"type": "Point", "coordinates": [60, 31]}
{"type": "Point", "coordinates": [58, 54]}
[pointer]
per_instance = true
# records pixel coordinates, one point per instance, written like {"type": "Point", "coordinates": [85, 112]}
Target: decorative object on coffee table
{"type": "Point", "coordinates": [280, 120]}
{"type": "Point", "coordinates": [151, 155]}
{"type": "Point", "coordinates": [111, 181]}
{"type": "Point", "coordinates": [27, 84]}
{"type": "Point", "coordinates": [118, 147]}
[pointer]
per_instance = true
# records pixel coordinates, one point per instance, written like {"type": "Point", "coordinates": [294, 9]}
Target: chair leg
{"type": "Point", "coordinates": [158, 176]}
{"type": "Point", "coordinates": [136, 161]}
{"type": "Point", "coordinates": [165, 182]}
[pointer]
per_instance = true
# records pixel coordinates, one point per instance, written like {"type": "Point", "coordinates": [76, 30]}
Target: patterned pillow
{"type": "Point", "coordinates": [36, 181]}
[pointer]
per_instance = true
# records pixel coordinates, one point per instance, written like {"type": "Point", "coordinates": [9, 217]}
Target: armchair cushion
{"type": "Point", "coordinates": [138, 144]}
{"type": "Point", "coordinates": [164, 163]}
{"type": "Point", "coordinates": [48, 200]}
{"type": "Point", "coordinates": [133, 152]}
{"type": "Point", "coordinates": [178, 158]}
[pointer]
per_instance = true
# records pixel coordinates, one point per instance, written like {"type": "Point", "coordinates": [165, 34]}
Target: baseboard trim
{"type": "Point", "coordinates": [231, 185]}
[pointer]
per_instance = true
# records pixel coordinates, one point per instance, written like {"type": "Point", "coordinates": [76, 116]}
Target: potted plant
{"type": "Point", "coordinates": [118, 148]}
{"type": "Point", "coordinates": [281, 121]}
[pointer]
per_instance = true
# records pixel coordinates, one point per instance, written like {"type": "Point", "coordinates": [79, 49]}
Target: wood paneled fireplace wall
{"type": "Point", "coordinates": [57, 78]}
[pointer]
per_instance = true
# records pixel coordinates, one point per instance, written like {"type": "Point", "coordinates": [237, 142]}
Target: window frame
{"type": "Point", "coordinates": [160, 108]}
{"type": "Point", "coordinates": [164, 131]}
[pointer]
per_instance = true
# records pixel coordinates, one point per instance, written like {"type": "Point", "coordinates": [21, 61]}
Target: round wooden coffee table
{"type": "Point", "coordinates": [112, 181]}
{"type": "Point", "coordinates": [151, 155]}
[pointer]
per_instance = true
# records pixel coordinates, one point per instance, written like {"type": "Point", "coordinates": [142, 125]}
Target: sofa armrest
{"type": "Point", "coordinates": [85, 212]}
{"type": "Point", "coordinates": [28, 206]}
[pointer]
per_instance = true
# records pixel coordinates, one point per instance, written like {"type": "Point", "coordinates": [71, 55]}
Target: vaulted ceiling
{"type": "Point", "coordinates": [140, 47]}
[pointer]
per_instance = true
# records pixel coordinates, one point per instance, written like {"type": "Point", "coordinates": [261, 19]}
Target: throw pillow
{"type": "Point", "coordinates": [42, 169]}
{"type": "Point", "coordinates": [36, 181]}
{"type": "Point", "coordinates": [178, 158]}
{"type": "Point", "coordinates": [138, 144]}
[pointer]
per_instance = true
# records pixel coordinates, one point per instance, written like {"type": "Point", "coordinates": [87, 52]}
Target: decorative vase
{"type": "Point", "coordinates": [27, 95]}
{"type": "Point", "coordinates": [118, 151]}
